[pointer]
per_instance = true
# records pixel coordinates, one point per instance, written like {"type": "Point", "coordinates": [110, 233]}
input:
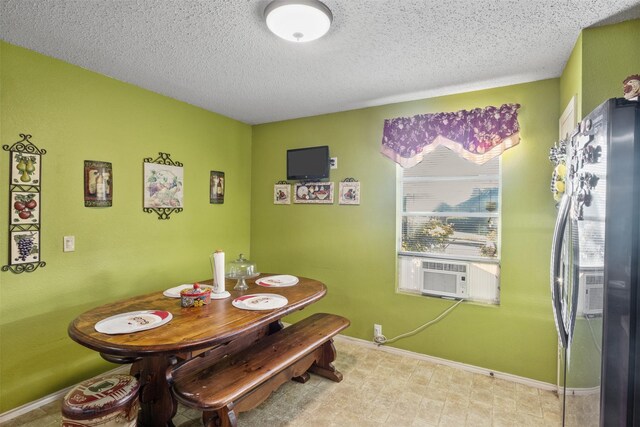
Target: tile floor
{"type": "Point", "coordinates": [381, 389]}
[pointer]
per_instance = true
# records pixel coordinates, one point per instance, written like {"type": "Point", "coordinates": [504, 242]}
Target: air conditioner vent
{"type": "Point", "coordinates": [444, 266]}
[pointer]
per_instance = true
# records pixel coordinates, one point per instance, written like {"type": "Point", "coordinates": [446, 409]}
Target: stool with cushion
{"type": "Point", "coordinates": [107, 401]}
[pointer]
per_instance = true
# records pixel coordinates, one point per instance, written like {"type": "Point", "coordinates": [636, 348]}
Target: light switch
{"type": "Point", "coordinates": [334, 163]}
{"type": "Point", "coordinates": [69, 243]}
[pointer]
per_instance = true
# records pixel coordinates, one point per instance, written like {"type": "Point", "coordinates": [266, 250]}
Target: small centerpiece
{"type": "Point", "coordinates": [197, 296]}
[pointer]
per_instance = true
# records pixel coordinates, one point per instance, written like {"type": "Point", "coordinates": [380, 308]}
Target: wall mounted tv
{"type": "Point", "coordinates": [308, 163]}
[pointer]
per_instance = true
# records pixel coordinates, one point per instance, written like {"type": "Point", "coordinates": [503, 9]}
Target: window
{"type": "Point", "coordinates": [450, 221]}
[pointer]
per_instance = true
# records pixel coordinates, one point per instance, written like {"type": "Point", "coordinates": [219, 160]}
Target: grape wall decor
{"type": "Point", "coordinates": [163, 186]}
{"type": "Point", "coordinates": [24, 206]}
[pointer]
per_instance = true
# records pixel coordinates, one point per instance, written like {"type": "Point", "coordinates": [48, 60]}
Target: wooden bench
{"type": "Point", "coordinates": [245, 379]}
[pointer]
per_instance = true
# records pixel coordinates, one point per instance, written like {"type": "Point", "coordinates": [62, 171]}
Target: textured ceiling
{"type": "Point", "coordinates": [219, 54]}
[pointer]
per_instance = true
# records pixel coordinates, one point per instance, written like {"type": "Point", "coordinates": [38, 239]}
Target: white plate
{"type": "Point", "coordinates": [133, 321]}
{"type": "Point", "coordinates": [260, 302]}
{"type": "Point", "coordinates": [175, 292]}
{"type": "Point", "coordinates": [280, 281]}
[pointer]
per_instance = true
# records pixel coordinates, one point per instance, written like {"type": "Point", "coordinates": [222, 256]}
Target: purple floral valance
{"type": "Point", "coordinates": [477, 135]}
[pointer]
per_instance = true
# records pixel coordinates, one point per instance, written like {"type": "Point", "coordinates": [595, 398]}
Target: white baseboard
{"type": "Point", "coordinates": [58, 395]}
{"type": "Point", "coordinates": [21, 410]}
{"type": "Point", "coordinates": [470, 368]}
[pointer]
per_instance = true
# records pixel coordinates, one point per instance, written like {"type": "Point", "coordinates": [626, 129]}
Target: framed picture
{"type": "Point", "coordinates": [349, 193]}
{"type": "Point", "coordinates": [314, 192]}
{"type": "Point", "coordinates": [25, 207]}
{"type": "Point", "coordinates": [282, 194]}
{"type": "Point", "coordinates": [98, 184]}
{"type": "Point", "coordinates": [25, 168]}
{"type": "Point", "coordinates": [216, 188]}
{"type": "Point", "coordinates": [163, 186]}
{"type": "Point", "coordinates": [25, 247]}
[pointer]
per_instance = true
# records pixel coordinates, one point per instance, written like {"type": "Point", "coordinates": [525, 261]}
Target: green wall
{"type": "Point", "coordinates": [571, 79]}
{"type": "Point", "coordinates": [353, 248]}
{"type": "Point", "coordinates": [610, 54]}
{"type": "Point", "coordinates": [78, 115]}
{"type": "Point", "coordinates": [601, 59]}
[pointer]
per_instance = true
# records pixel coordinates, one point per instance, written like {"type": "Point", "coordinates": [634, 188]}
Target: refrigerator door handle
{"type": "Point", "coordinates": [556, 255]}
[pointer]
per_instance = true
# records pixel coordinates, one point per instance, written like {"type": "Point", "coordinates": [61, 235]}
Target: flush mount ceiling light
{"type": "Point", "coordinates": [298, 20]}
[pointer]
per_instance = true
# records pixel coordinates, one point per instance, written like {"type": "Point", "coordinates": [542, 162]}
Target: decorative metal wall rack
{"type": "Point", "coordinates": [163, 186]}
{"type": "Point", "coordinates": [25, 180]}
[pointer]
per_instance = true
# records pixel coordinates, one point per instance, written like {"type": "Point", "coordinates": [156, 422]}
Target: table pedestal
{"type": "Point", "coordinates": [156, 401]}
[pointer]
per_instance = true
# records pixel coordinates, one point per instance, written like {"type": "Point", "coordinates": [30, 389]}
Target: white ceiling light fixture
{"type": "Point", "coordinates": [298, 20]}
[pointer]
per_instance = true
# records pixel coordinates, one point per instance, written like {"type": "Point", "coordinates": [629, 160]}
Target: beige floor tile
{"type": "Point", "coordinates": [452, 421]}
{"type": "Point", "coordinates": [418, 422]}
{"type": "Point", "coordinates": [483, 382]}
{"type": "Point", "coordinates": [505, 403]}
{"type": "Point", "coordinates": [482, 396]}
{"type": "Point", "coordinates": [502, 419]}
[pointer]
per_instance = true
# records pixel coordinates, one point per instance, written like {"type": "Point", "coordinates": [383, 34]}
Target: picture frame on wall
{"type": "Point", "coordinates": [25, 207]}
{"type": "Point", "coordinates": [163, 186]}
{"type": "Point", "coordinates": [349, 193]}
{"type": "Point", "coordinates": [216, 188]}
{"type": "Point", "coordinates": [25, 247]}
{"type": "Point", "coordinates": [25, 168]}
{"type": "Point", "coordinates": [282, 194]}
{"type": "Point", "coordinates": [98, 184]}
{"type": "Point", "coordinates": [314, 192]}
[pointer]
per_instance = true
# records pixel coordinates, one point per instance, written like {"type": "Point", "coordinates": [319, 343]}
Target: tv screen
{"type": "Point", "coordinates": [308, 163]}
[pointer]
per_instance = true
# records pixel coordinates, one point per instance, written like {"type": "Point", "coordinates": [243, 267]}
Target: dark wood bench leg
{"type": "Point", "coordinates": [324, 366]}
{"type": "Point", "coordinates": [302, 378]}
{"type": "Point", "coordinates": [224, 417]}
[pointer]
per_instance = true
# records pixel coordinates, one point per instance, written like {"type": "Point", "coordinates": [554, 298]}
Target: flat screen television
{"type": "Point", "coordinates": [308, 163]}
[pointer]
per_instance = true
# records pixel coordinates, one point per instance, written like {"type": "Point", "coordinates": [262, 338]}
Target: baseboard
{"type": "Point", "coordinates": [470, 368]}
{"type": "Point", "coordinates": [58, 395]}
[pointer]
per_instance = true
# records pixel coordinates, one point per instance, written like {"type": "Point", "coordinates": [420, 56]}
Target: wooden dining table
{"type": "Point", "coordinates": [219, 329]}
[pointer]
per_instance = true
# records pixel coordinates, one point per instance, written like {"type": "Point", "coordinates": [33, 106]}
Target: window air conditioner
{"type": "Point", "coordinates": [445, 278]}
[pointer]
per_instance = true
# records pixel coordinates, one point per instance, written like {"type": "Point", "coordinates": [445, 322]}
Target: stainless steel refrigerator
{"type": "Point", "coordinates": [594, 269]}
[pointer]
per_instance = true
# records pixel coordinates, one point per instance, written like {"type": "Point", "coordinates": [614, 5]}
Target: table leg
{"type": "Point", "coordinates": [158, 406]}
{"type": "Point", "coordinates": [275, 327]}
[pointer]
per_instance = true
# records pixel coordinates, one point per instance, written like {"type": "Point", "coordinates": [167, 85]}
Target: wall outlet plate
{"type": "Point", "coordinates": [334, 163]}
{"type": "Point", "coordinates": [69, 244]}
{"type": "Point", "coordinates": [377, 330]}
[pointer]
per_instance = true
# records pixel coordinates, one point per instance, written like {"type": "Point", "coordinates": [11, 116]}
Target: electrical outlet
{"type": "Point", "coordinates": [377, 330]}
{"type": "Point", "coordinates": [334, 163]}
{"type": "Point", "coordinates": [69, 244]}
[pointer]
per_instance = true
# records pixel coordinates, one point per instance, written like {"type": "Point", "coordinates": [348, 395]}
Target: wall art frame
{"type": "Point", "coordinates": [25, 185]}
{"type": "Point", "coordinates": [216, 188]}
{"type": "Point", "coordinates": [349, 192]}
{"type": "Point", "coordinates": [163, 186]}
{"type": "Point", "coordinates": [314, 193]}
{"type": "Point", "coordinates": [282, 193]}
{"type": "Point", "coordinates": [98, 184]}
